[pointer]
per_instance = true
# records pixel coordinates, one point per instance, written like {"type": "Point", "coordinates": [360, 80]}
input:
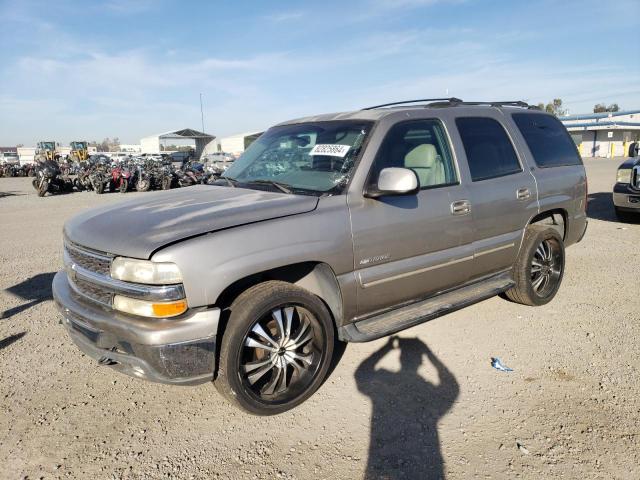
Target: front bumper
{"type": "Point", "coordinates": [626, 198]}
{"type": "Point", "coordinates": [175, 351]}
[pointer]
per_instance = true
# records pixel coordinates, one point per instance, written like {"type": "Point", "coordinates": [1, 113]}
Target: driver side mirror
{"type": "Point", "coordinates": [395, 181]}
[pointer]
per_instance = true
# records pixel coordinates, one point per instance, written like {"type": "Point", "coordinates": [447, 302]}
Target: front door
{"type": "Point", "coordinates": [409, 247]}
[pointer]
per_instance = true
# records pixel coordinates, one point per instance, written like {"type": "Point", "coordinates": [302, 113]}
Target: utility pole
{"type": "Point", "coordinates": [201, 113]}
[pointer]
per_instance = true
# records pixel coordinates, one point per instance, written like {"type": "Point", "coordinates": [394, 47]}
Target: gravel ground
{"type": "Point", "coordinates": [433, 405]}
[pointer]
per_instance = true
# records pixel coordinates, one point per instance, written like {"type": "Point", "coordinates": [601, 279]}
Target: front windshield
{"type": "Point", "coordinates": [79, 145]}
{"type": "Point", "coordinates": [317, 157]}
{"type": "Point", "coordinates": [48, 146]}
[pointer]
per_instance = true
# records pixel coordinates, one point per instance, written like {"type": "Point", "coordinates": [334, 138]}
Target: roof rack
{"type": "Point", "coordinates": [423, 100]}
{"type": "Point", "coordinates": [453, 102]}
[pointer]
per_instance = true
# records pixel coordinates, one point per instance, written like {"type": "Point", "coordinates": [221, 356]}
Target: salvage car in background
{"type": "Point", "coordinates": [626, 191]}
{"type": "Point", "coordinates": [10, 158]}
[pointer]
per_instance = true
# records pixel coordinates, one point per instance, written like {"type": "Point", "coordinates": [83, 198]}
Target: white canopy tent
{"type": "Point", "coordinates": [152, 144]}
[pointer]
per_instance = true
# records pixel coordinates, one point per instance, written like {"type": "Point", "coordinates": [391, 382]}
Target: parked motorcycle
{"type": "Point", "coordinates": [30, 169]}
{"type": "Point", "coordinates": [143, 177]}
{"type": "Point", "coordinates": [100, 176]}
{"type": "Point", "coordinates": [165, 176]}
{"type": "Point", "coordinates": [83, 179]}
{"type": "Point", "coordinates": [49, 178]}
{"type": "Point", "coordinates": [9, 170]}
{"type": "Point", "coordinates": [120, 176]}
{"type": "Point", "coordinates": [192, 173]}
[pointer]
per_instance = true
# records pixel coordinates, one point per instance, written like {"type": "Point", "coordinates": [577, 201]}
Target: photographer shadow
{"type": "Point", "coordinates": [34, 290]}
{"type": "Point", "coordinates": [406, 409]}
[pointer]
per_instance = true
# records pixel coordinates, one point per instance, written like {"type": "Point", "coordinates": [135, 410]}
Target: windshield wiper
{"type": "Point", "coordinates": [283, 187]}
{"type": "Point", "coordinates": [230, 181]}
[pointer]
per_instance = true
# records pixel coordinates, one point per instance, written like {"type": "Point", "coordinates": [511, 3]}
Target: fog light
{"type": "Point", "coordinates": [149, 309]}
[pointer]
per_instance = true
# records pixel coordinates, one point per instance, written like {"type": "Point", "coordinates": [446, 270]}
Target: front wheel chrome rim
{"type": "Point", "coordinates": [281, 354]}
{"type": "Point", "coordinates": [546, 267]}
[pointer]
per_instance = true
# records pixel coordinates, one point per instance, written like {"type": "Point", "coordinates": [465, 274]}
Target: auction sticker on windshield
{"type": "Point", "coordinates": [330, 150]}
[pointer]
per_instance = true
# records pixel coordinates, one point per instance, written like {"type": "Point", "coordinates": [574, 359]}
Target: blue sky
{"type": "Point", "coordinates": [130, 68]}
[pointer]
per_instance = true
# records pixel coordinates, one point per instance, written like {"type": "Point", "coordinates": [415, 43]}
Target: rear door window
{"type": "Point", "coordinates": [547, 139]}
{"type": "Point", "coordinates": [489, 150]}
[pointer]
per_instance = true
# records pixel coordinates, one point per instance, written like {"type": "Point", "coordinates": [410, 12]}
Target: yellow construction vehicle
{"type": "Point", "coordinates": [79, 151]}
{"type": "Point", "coordinates": [46, 151]}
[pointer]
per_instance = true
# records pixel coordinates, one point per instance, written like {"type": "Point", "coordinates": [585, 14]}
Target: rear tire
{"type": "Point", "coordinates": [124, 184]}
{"type": "Point", "coordinates": [539, 269]}
{"type": "Point", "coordinates": [267, 376]}
{"type": "Point", "coordinates": [166, 183]}
{"type": "Point", "coordinates": [99, 188]}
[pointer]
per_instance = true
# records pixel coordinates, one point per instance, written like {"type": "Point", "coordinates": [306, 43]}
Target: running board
{"type": "Point", "coordinates": [413, 314]}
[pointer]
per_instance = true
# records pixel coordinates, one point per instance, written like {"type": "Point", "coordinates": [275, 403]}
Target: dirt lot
{"type": "Point", "coordinates": [570, 409]}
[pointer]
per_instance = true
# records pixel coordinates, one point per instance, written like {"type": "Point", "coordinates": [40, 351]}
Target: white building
{"type": "Point", "coordinates": [153, 143]}
{"type": "Point", "coordinates": [130, 148]}
{"type": "Point", "coordinates": [606, 135]}
{"type": "Point", "coordinates": [236, 144]}
{"type": "Point", "coordinates": [26, 154]}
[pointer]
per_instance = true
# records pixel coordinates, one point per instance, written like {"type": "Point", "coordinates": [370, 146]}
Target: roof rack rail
{"type": "Point", "coordinates": [452, 102]}
{"type": "Point", "coordinates": [423, 100]}
{"type": "Point", "coordinates": [501, 103]}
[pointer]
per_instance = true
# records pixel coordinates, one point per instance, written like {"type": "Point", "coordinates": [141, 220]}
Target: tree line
{"type": "Point", "coordinates": [556, 108]}
{"type": "Point", "coordinates": [107, 145]}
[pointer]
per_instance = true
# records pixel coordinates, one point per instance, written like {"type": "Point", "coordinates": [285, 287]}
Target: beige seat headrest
{"type": "Point", "coordinates": [422, 156]}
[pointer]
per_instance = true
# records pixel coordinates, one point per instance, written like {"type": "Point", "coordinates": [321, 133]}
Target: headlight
{"type": "Point", "coordinates": [149, 309]}
{"type": "Point", "coordinates": [144, 271]}
{"type": "Point", "coordinates": [624, 175]}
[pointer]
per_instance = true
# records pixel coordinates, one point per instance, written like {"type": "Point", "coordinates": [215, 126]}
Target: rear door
{"type": "Point", "coordinates": [409, 247]}
{"type": "Point", "coordinates": [502, 191]}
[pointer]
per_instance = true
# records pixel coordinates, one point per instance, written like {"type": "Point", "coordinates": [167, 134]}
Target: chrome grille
{"type": "Point", "coordinates": [81, 258]}
{"type": "Point", "coordinates": [92, 261]}
{"type": "Point", "coordinates": [92, 291]}
{"type": "Point", "coordinates": [635, 177]}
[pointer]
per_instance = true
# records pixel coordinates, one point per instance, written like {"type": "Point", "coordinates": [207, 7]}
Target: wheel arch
{"type": "Point", "coordinates": [315, 277]}
{"type": "Point", "coordinates": [555, 218]}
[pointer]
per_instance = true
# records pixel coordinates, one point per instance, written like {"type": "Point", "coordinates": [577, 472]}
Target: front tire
{"type": "Point", "coordinates": [143, 185]}
{"type": "Point", "coordinates": [276, 350]}
{"type": "Point", "coordinates": [539, 269]}
{"type": "Point", "coordinates": [625, 216]}
{"type": "Point", "coordinates": [43, 187]}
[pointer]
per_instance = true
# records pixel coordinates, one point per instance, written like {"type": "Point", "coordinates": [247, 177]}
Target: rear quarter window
{"type": "Point", "coordinates": [547, 139]}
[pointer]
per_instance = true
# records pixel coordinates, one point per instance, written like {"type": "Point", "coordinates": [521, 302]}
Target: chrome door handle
{"type": "Point", "coordinates": [523, 193]}
{"type": "Point", "coordinates": [461, 207]}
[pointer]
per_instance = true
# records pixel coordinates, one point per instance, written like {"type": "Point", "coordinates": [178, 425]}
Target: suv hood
{"type": "Point", "coordinates": [139, 227]}
{"type": "Point", "coordinates": [630, 163]}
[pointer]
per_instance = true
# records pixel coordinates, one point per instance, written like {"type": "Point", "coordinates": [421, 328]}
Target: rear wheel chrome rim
{"type": "Point", "coordinates": [281, 354]}
{"type": "Point", "coordinates": [546, 267]}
